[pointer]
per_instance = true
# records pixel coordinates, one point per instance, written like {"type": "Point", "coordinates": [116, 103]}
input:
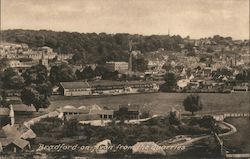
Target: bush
{"type": "Point", "coordinates": [46, 125]}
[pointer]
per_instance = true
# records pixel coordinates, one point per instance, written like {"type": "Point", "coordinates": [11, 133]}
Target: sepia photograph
{"type": "Point", "coordinates": [124, 79]}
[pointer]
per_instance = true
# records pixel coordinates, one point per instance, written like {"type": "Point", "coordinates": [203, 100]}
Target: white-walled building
{"type": "Point", "coordinates": [117, 66]}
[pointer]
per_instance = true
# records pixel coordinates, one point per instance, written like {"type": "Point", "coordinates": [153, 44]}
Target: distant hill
{"type": "Point", "coordinates": [98, 47]}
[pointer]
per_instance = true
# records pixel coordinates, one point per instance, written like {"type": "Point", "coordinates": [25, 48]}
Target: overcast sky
{"type": "Point", "coordinates": [197, 18]}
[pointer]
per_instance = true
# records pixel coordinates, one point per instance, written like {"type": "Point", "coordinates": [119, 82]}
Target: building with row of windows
{"type": "Point", "coordinates": [84, 113]}
{"type": "Point", "coordinates": [106, 88]}
{"type": "Point", "coordinates": [117, 66]}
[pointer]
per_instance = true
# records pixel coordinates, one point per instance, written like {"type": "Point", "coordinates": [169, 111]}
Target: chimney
{"type": "Point", "coordinates": [12, 115]}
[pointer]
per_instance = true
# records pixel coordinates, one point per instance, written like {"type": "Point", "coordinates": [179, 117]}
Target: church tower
{"type": "Point", "coordinates": [130, 61]}
{"type": "Point", "coordinates": [44, 61]}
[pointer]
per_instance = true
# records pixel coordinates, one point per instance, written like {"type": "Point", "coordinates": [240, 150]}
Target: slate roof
{"type": "Point", "coordinates": [74, 85]}
{"type": "Point", "coordinates": [4, 111]}
{"type": "Point", "coordinates": [28, 135]}
{"type": "Point", "coordinates": [23, 107]}
{"type": "Point", "coordinates": [21, 143]}
{"type": "Point", "coordinates": [11, 132]}
{"type": "Point", "coordinates": [9, 135]}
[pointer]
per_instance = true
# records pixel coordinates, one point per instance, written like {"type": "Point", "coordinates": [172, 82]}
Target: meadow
{"type": "Point", "coordinates": [162, 103]}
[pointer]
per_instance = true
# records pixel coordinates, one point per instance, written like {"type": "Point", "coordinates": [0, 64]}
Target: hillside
{"type": "Point", "coordinates": [97, 47]}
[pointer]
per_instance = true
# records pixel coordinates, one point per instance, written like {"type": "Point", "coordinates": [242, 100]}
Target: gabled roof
{"type": "Point", "coordinates": [2, 134]}
{"type": "Point", "coordinates": [106, 112]}
{"type": "Point", "coordinates": [69, 107]}
{"type": "Point", "coordinates": [28, 135]}
{"type": "Point", "coordinates": [84, 117]}
{"type": "Point", "coordinates": [21, 143]}
{"type": "Point", "coordinates": [11, 132]}
{"type": "Point", "coordinates": [74, 85]}
{"type": "Point", "coordinates": [5, 141]}
{"type": "Point", "coordinates": [10, 135]}
{"type": "Point", "coordinates": [95, 107]}
{"type": "Point", "coordinates": [23, 107]}
{"type": "Point", "coordinates": [4, 111]}
{"type": "Point", "coordinates": [75, 110]}
{"type": "Point", "coordinates": [72, 109]}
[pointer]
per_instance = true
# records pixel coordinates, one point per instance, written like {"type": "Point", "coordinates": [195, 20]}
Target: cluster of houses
{"type": "Point", "coordinates": [20, 56]}
{"type": "Point", "coordinates": [14, 137]}
{"type": "Point", "coordinates": [92, 114]}
{"type": "Point", "coordinates": [17, 137]}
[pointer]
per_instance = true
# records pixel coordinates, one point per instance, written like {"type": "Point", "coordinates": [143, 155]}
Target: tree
{"type": "Point", "coordinates": [207, 121]}
{"type": "Point", "coordinates": [243, 76]}
{"type": "Point", "coordinates": [91, 47]}
{"type": "Point", "coordinates": [88, 73]}
{"type": "Point", "coordinates": [3, 100]}
{"type": "Point", "coordinates": [122, 114]}
{"type": "Point", "coordinates": [16, 82]}
{"type": "Point", "coordinates": [30, 95]}
{"type": "Point", "coordinates": [210, 50]}
{"type": "Point", "coordinates": [140, 64]}
{"type": "Point", "coordinates": [170, 82]}
{"type": "Point", "coordinates": [192, 103]}
{"type": "Point", "coordinates": [61, 73]}
{"type": "Point", "coordinates": [3, 63]}
{"type": "Point", "coordinates": [105, 73]}
{"type": "Point", "coordinates": [80, 58]}
{"type": "Point", "coordinates": [11, 80]}
{"type": "Point", "coordinates": [36, 74]}
{"type": "Point", "coordinates": [45, 89]}
{"type": "Point", "coordinates": [173, 119]}
{"type": "Point", "coordinates": [38, 88]}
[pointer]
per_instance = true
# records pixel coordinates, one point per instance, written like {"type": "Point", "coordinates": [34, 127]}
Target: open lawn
{"type": "Point", "coordinates": [240, 141]}
{"type": "Point", "coordinates": [162, 102]}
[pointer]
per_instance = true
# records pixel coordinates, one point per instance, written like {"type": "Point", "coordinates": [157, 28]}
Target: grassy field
{"type": "Point", "coordinates": [162, 102]}
{"type": "Point", "coordinates": [240, 141]}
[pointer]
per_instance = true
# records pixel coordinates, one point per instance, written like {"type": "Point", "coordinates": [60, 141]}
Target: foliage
{"type": "Point", "coordinates": [45, 125]}
{"type": "Point", "coordinates": [170, 82]}
{"type": "Point", "coordinates": [207, 122]}
{"type": "Point", "coordinates": [139, 64]}
{"type": "Point", "coordinates": [156, 129]}
{"type": "Point", "coordinates": [38, 88]}
{"type": "Point", "coordinates": [61, 73]}
{"type": "Point", "coordinates": [145, 114]}
{"type": "Point", "coordinates": [192, 103]}
{"type": "Point", "coordinates": [70, 127]}
{"type": "Point", "coordinates": [31, 95]}
{"type": "Point", "coordinates": [80, 58]}
{"type": "Point", "coordinates": [3, 101]}
{"type": "Point", "coordinates": [3, 63]}
{"type": "Point", "coordinates": [173, 119]}
{"type": "Point", "coordinates": [11, 80]}
{"type": "Point", "coordinates": [92, 47]}
{"type": "Point", "coordinates": [122, 114]}
{"type": "Point", "coordinates": [243, 76]}
{"type": "Point", "coordinates": [210, 50]}
{"type": "Point", "coordinates": [89, 73]}
{"type": "Point", "coordinates": [36, 74]}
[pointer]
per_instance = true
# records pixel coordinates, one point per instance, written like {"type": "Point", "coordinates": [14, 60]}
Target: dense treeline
{"type": "Point", "coordinates": [95, 47]}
